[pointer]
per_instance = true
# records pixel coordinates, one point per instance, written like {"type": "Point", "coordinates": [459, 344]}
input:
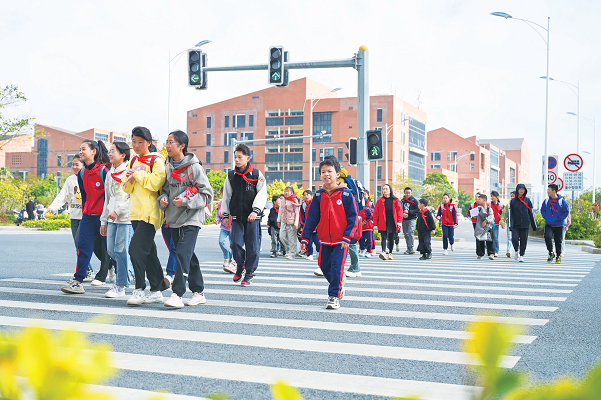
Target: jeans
{"type": "Point", "coordinates": [314, 240]}
{"type": "Point", "coordinates": [352, 250]}
{"type": "Point", "coordinates": [367, 241]}
{"type": "Point", "coordinates": [519, 238]}
{"type": "Point", "coordinates": [495, 238]}
{"type": "Point", "coordinates": [448, 236]}
{"type": "Point", "coordinates": [508, 239]}
{"type": "Point", "coordinates": [117, 244]}
{"type": "Point", "coordinates": [188, 267]}
{"type": "Point", "coordinates": [388, 241]}
{"type": "Point", "coordinates": [409, 232]}
{"type": "Point", "coordinates": [275, 240]}
{"type": "Point", "coordinates": [246, 244]}
{"type": "Point", "coordinates": [143, 256]}
{"type": "Point", "coordinates": [90, 241]}
{"type": "Point", "coordinates": [171, 262]}
{"type": "Point", "coordinates": [226, 250]}
{"type": "Point", "coordinates": [555, 232]}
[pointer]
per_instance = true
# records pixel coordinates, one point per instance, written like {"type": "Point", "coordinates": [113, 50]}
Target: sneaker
{"type": "Point", "coordinates": [310, 258]}
{"type": "Point", "coordinates": [352, 274]}
{"type": "Point", "coordinates": [137, 297]}
{"type": "Point", "coordinates": [398, 247]}
{"type": "Point", "coordinates": [517, 256]}
{"type": "Point", "coordinates": [491, 257]}
{"type": "Point", "coordinates": [496, 254]}
{"type": "Point", "coordinates": [452, 247]}
{"type": "Point", "coordinates": [521, 259]}
{"type": "Point", "coordinates": [174, 301]}
{"type": "Point", "coordinates": [289, 257]}
{"type": "Point", "coordinates": [112, 275]}
{"type": "Point", "coordinates": [273, 255]}
{"type": "Point", "coordinates": [318, 272]}
{"type": "Point", "coordinates": [343, 290]}
{"type": "Point", "coordinates": [73, 287]}
{"type": "Point", "coordinates": [407, 251]}
{"type": "Point", "coordinates": [154, 297]}
{"type": "Point", "coordinates": [280, 253]}
{"type": "Point", "coordinates": [390, 256]}
{"type": "Point", "coordinates": [115, 291]}
{"type": "Point", "coordinates": [383, 256]}
{"type": "Point", "coordinates": [301, 255]}
{"type": "Point", "coordinates": [558, 260]}
{"type": "Point", "coordinates": [89, 276]}
{"type": "Point", "coordinates": [508, 254]}
{"type": "Point", "coordinates": [550, 258]}
{"type": "Point", "coordinates": [230, 269]}
{"type": "Point", "coordinates": [445, 253]}
{"type": "Point", "coordinates": [96, 282]}
{"type": "Point", "coordinates": [479, 257]}
{"type": "Point", "coordinates": [248, 279]}
{"type": "Point", "coordinates": [423, 257]}
{"type": "Point", "coordinates": [168, 280]}
{"type": "Point", "coordinates": [361, 253]}
{"type": "Point", "coordinates": [239, 274]}
{"type": "Point", "coordinates": [226, 262]}
{"type": "Point", "coordinates": [197, 298]}
{"type": "Point", "coordinates": [333, 303]}
{"type": "Point", "coordinates": [428, 256]}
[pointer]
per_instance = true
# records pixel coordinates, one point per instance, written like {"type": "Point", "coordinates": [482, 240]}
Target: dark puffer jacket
{"type": "Point", "coordinates": [521, 214]}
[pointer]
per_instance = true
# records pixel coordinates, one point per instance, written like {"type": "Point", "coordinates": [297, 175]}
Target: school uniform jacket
{"type": "Point", "coordinates": [380, 214]}
{"type": "Point", "coordinates": [448, 212]}
{"type": "Point", "coordinates": [367, 216]}
{"type": "Point", "coordinates": [425, 222]}
{"type": "Point", "coordinates": [115, 199]}
{"type": "Point", "coordinates": [91, 180]}
{"type": "Point", "coordinates": [410, 206]}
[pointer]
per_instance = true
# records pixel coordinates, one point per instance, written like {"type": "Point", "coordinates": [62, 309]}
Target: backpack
{"type": "Point", "coordinates": [357, 189]}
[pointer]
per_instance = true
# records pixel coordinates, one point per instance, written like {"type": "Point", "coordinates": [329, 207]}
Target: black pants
{"type": "Point", "coordinates": [482, 245]}
{"type": "Point", "coordinates": [519, 238]}
{"type": "Point", "coordinates": [555, 232]}
{"type": "Point", "coordinates": [424, 245]}
{"type": "Point", "coordinates": [387, 238]}
{"type": "Point", "coordinates": [187, 266]}
{"type": "Point", "coordinates": [143, 256]}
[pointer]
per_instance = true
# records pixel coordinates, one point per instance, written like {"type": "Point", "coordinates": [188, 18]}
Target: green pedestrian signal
{"type": "Point", "coordinates": [374, 152]}
{"type": "Point", "coordinates": [375, 145]}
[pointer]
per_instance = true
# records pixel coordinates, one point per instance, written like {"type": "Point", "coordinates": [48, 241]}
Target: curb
{"type": "Point", "coordinates": [592, 250]}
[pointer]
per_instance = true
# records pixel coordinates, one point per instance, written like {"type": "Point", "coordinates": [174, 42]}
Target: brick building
{"type": "Point", "coordinates": [286, 113]}
{"type": "Point", "coordinates": [15, 144]}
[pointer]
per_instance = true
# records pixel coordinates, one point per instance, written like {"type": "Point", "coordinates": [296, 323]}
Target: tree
{"type": "Point", "coordinates": [15, 128]}
{"type": "Point", "coordinates": [277, 188]}
{"type": "Point", "coordinates": [402, 181]}
{"type": "Point", "coordinates": [217, 180]}
{"type": "Point", "coordinates": [464, 200]}
{"type": "Point", "coordinates": [436, 185]}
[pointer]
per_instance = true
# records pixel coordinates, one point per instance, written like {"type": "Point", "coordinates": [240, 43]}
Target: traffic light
{"type": "Point", "coordinates": [351, 156]}
{"type": "Point", "coordinates": [276, 65]}
{"type": "Point", "coordinates": [204, 80]}
{"type": "Point", "coordinates": [195, 68]}
{"type": "Point", "coordinates": [374, 145]}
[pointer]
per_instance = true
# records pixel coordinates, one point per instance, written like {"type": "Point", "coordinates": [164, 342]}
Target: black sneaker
{"type": "Point", "coordinates": [248, 278]}
{"type": "Point", "coordinates": [558, 260]}
{"type": "Point", "coordinates": [423, 257]}
{"type": "Point", "coordinates": [428, 256]}
{"type": "Point", "coordinates": [550, 258]}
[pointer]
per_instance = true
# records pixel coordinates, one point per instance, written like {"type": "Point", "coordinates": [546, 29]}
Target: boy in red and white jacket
{"type": "Point", "coordinates": [367, 242]}
{"type": "Point", "coordinates": [333, 213]}
{"type": "Point", "coordinates": [447, 214]}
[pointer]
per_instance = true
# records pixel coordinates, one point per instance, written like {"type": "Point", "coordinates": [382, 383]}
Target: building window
{"type": "Point", "coordinates": [42, 157]}
{"type": "Point", "coordinates": [350, 108]}
{"type": "Point", "coordinates": [417, 134]}
{"type": "Point", "coordinates": [511, 175]}
{"type": "Point", "coordinates": [208, 122]}
{"type": "Point", "coordinates": [240, 121]}
{"type": "Point", "coordinates": [251, 120]}
{"type": "Point", "coordinates": [322, 121]}
{"type": "Point", "coordinates": [70, 159]}
{"type": "Point", "coordinates": [101, 136]}
{"type": "Point", "coordinates": [314, 154]}
{"type": "Point", "coordinates": [293, 157]}
{"type": "Point", "coordinates": [434, 166]}
{"type": "Point", "coordinates": [451, 167]}
{"type": "Point", "coordinates": [226, 157]}
{"type": "Point", "coordinates": [402, 156]}
{"type": "Point", "coordinates": [494, 179]}
{"type": "Point", "coordinates": [340, 154]}
{"type": "Point", "coordinates": [327, 151]}
{"type": "Point", "coordinates": [194, 115]}
{"type": "Point", "coordinates": [274, 158]}
{"type": "Point", "coordinates": [278, 121]}
{"type": "Point", "coordinates": [417, 166]}
{"type": "Point", "coordinates": [472, 157]}
{"type": "Point", "coordinates": [208, 139]}
{"type": "Point", "coordinates": [227, 121]}
{"type": "Point", "coordinates": [294, 120]}
{"type": "Point", "coordinates": [208, 158]}
{"type": "Point", "coordinates": [403, 137]}
{"type": "Point", "coordinates": [246, 136]}
{"type": "Point", "coordinates": [435, 156]}
{"type": "Point", "coordinates": [119, 139]}
{"type": "Point", "coordinates": [227, 138]}
{"type": "Point", "coordinates": [194, 133]}
{"type": "Point", "coordinates": [379, 172]}
{"type": "Point", "coordinates": [451, 156]}
{"type": "Point", "coordinates": [60, 159]}
{"type": "Point", "coordinates": [494, 158]}
{"type": "Point", "coordinates": [472, 166]}
{"type": "Point", "coordinates": [379, 115]}
{"type": "Point", "coordinates": [482, 161]}
{"type": "Point", "coordinates": [298, 112]}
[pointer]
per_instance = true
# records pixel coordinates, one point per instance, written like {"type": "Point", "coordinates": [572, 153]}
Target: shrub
{"type": "Point", "coordinates": [597, 240]}
{"type": "Point", "coordinates": [49, 224]}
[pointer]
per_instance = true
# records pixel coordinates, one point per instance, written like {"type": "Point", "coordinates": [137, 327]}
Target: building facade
{"type": "Point", "coordinates": [307, 108]}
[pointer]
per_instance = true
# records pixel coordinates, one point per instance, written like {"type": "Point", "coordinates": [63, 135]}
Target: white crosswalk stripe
{"type": "Point", "coordinates": [399, 314]}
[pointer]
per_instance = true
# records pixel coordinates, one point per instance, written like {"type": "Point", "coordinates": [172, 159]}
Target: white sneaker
{"type": "Point", "coordinates": [174, 301]}
{"type": "Point", "coordinates": [367, 255]}
{"type": "Point", "coordinates": [361, 253]}
{"type": "Point", "coordinates": [289, 257]}
{"type": "Point", "coordinates": [137, 297]}
{"type": "Point", "coordinates": [230, 268]}
{"type": "Point", "coordinates": [96, 282]}
{"type": "Point", "coordinates": [445, 253]}
{"type": "Point", "coordinates": [352, 274]}
{"type": "Point", "coordinates": [452, 247]}
{"type": "Point", "coordinates": [310, 258]}
{"type": "Point", "coordinates": [318, 272]}
{"type": "Point", "coordinates": [154, 297]}
{"type": "Point", "coordinates": [491, 257]}
{"type": "Point", "coordinates": [226, 262]}
{"type": "Point", "coordinates": [521, 259]}
{"type": "Point", "coordinates": [197, 298]}
{"type": "Point", "coordinates": [398, 247]}
{"type": "Point", "coordinates": [168, 280]}
{"type": "Point", "coordinates": [517, 256]}
{"type": "Point", "coordinates": [115, 291]}
{"type": "Point", "coordinates": [112, 275]}
{"type": "Point", "coordinates": [89, 276]}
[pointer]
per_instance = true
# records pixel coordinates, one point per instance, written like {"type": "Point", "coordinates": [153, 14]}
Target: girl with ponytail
{"type": "Point", "coordinates": [91, 180]}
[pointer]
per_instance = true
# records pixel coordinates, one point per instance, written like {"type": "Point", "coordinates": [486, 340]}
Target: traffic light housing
{"type": "Point", "coordinates": [276, 65]}
{"type": "Point", "coordinates": [351, 156]}
{"type": "Point", "coordinates": [195, 75]}
{"type": "Point", "coordinates": [375, 146]}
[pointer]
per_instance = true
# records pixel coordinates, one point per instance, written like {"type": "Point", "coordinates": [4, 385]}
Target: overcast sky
{"type": "Point", "coordinates": [105, 64]}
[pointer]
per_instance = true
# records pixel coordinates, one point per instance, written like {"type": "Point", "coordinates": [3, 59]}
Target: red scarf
{"type": "Point", "coordinates": [424, 211]}
{"type": "Point", "coordinates": [524, 203]}
{"type": "Point", "coordinates": [409, 200]}
{"type": "Point", "coordinates": [147, 159]}
{"type": "Point", "coordinates": [248, 171]}
{"type": "Point", "coordinates": [116, 174]}
{"type": "Point", "coordinates": [551, 201]}
{"type": "Point", "coordinates": [176, 172]}
{"type": "Point", "coordinates": [294, 199]}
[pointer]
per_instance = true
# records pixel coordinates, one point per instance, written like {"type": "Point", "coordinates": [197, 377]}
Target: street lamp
{"type": "Point", "coordinates": [201, 43]}
{"type": "Point", "coordinates": [456, 171]}
{"type": "Point", "coordinates": [314, 102]}
{"type": "Point", "coordinates": [530, 23]}
{"type": "Point", "coordinates": [594, 123]}
{"type": "Point", "coordinates": [577, 93]}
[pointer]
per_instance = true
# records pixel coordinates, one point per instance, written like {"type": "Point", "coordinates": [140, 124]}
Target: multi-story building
{"type": "Point", "coordinates": [12, 145]}
{"type": "Point", "coordinates": [478, 165]}
{"type": "Point", "coordinates": [285, 113]}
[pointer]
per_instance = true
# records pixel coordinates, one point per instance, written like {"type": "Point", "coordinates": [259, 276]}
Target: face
{"type": "Point", "coordinates": [551, 192]}
{"type": "Point", "coordinates": [86, 154]}
{"type": "Point", "coordinates": [280, 200]}
{"type": "Point", "coordinates": [494, 198]}
{"type": "Point", "coordinates": [76, 166]}
{"type": "Point", "coordinates": [385, 191]}
{"type": "Point", "coordinates": [481, 201]}
{"type": "Point", "coordinates": [421, 206]}
{"type": "Point", "coordinates": [407, 193]}
{"type": "Point", "coordinates": [288, 192]}
{"type": "Point", "coordinates": [276, 203]}
{"type": "Point", "coordinates": [241, 160]}
{"type": "Point", "coordinates": [445, 199]}
{"type": "Point", "coordinates": [512, 195]}
{"type": "Point", "coordinates": [139, 145]}
{"type": "Point", "coordinates": [173, 148]}
{"type": "Point", "coordinates": [307, 197]}
{"type": "Point", "coordinates": [115, 157]}
{"type": "Point", "coordinates": [328, 174]}
{"type": "Point", "coordinates": [476, 197]}
{"type": "Point", "coordinates": [521, 192]}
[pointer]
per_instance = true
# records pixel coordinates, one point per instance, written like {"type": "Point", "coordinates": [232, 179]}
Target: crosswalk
{"type": "Point", "coordinates": [398, 332]}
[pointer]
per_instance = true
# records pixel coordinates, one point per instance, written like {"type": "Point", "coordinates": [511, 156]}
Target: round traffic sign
{"type": "Point", "coordinates": [573, 162]}
{"type": "Point", "coordinates": [559, 184]}
{"type": "Point", "coordinates": [552, 163]}
{"type": "Point", "coordinates": [551, 177]}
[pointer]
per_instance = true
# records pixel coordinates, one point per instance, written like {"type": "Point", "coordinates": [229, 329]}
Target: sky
{"type": "Point", "coordinates": [106, 64]}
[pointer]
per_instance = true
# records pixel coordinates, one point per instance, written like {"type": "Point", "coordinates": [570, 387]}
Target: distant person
{"type": "Point", "coordinates": [410, 212]}
{"type": "Point", "coordinates": [30, 208]}
{"type": "Point", "coordinates": [505, 220]}
{"type": "Point", "coordinates": [497, 209]}
{"type": "Point", "coordinates": [522, 218]}
{"type": "Point", "coordinates": [307, 199]}
{"type": "Point", "coordinates": [555, 211]}
{"type": "Point", "coordinates": [447, 214]}
{"type": "Point", "coordinates": [229, 265]}
{"type": "Point", "coordinates": [367, 243]}
{"type": "Point", "coordinates": [483, 230]}
{"type": "Point", "coordinates": [471, 207]}
{"type": "Point", "coordinates": [272, 225]}
{"type": "Point", "coordinates": [426, 227]}
{"type": "Point", "coordinates": [388, 218]}
{"type": "Point", "coordinates": [289, 221]}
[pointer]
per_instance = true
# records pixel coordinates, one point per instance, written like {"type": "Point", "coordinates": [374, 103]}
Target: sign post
{"type": "Point", "coordinates": [552, 166]}
{"type": "Point", "coordinates": [573, 180]}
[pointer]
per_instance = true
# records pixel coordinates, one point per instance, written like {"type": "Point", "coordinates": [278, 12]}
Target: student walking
{"type": "Point", "coordinates": [497, 209]}
{"type": "Point", "coordinates": [471, 207]}
{"type": "Point", "coordinates": [143, 180]}
{"type": "Point", "coordinates": [225, 234]}
{"type": "Point", "coordinates": [91, 180]}
{"type": "Point", "coordinates": [555, 211]}
{"type": "Point", "coordinates": [447, 214]}
{"type": "Point", "coordinates": [483, 229]}
{"type": "Point", "coordinates": [367, 242]}
{"type": "Point", "coordinates": [410, 212]}
{"type": "Point", "coordinates": [114, 221]}
{"type": "Point", "coordinates": [505, 220]}
{"type": "Point", "coordinates": [522, 218]}
{"type": "Point", "coordinates": [426, 226]}
{"type": "Point", "coordinates": [244, 198]}
{"type": "Point", "coordinates": [307, 198]}
{"type": "Point", "coordinates": [288, 221]}
{"type": "Point", "coordinates": [272, 225]}
{"type": "Point", "coordinates": [388, 218]}
{"type": "Point", "coordinates": [333, 212]}
{"type": "Point", "coordinates": [186, 193]}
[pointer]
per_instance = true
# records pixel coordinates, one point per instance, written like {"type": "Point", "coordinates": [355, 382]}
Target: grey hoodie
{"type": "Point", "coordinates": [192, 211]}
{"type": "Point", "coordinates": [486, 214]}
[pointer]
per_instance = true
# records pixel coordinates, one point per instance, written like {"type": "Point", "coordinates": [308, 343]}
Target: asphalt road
{"type": "Point", "coordinates": [398, 331]}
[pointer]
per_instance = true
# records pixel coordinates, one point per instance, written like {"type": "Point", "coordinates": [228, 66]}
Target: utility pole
{"type": "Point", "coordinates": [362, 115]}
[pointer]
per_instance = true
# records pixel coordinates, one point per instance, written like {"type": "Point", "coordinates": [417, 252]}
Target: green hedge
{"type": "Point", "coordinates": [52, 224]}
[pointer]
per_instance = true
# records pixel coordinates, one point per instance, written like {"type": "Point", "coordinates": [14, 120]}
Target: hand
{"type": "Point", "coordinates": [50, 210]}
{"type": "Point", "coordinates": [103, 230]}
{"type": "Point", "coordinates": [483, 224]}
{"type": "Point", "coordinates": [456, 225]}
{"type": "Point", "coordinates": [178, 201]}
{"type": "Point", "coordinates": [279, 225]}
{"type": "Point", "coordinates": [345, 245]}
{"type": "Point", "coordinates": [112, 216]}
{"type": "Point", "coordinates": [129, 174]}
{"type": "Point", "coordinates": [567, 227]}
{"type": "Point", "coordinates": [405, 215]}
{"type": "Point", "coordinates": [434, 232]}
{"type": "Point", "coordinates": [303, 248]}
{"type": "Point", "coordinates": [252, 216]}
{"type": "Point", "coordinates": [296, 227]}
{"type": "Point", "coordinates": [503, 226]}
{"type": "Point", "coordinates": [164, 202]}
{"type": "Point", "coordinates": [216, 222]}
{"type": "Point", "coordinates": [399, 224]}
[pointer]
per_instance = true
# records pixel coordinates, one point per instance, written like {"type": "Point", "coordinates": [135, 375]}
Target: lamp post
{"type": "Point", "coordinates": [456, 171]}
{"type": "Point", "coordinates": [314, 102]}
{"type": "Point", "coordinates": [530, 23]}
{"type": "Point", "coordinates": [201, 43]}
{"type": "Point", "coordinates": [594, 123]}
{"type": "Point", "coordinates": [577, 93]}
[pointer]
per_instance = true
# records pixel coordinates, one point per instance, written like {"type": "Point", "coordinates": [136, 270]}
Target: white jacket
{"type": "Point", "coordinates": [115, 199]}
{"type": "Point", "coordinates": [69, 194]}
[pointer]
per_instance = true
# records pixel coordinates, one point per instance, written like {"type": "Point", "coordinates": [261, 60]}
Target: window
{"type": "Point", "coordinates": [294, 157]}
{"type": "Point", "coordinates": [402, 156]}
{"type": "Point", "coordinates": [298, 112]}
{"type": "Point", "coordinates": [494, 158]}
{"type": "Point", "coordinates": [472, 157]}
{"type": "Point", "coordinates": [314, 154]}
{"type": "Point", "coordinates": [42, 157]}
{"type": "Point", "coordinates": [101, 136]}
{"type": "Point", "coordinates": [295, 176]}
{"type": "Point", "coordinates": [208, 139]}
{"type": "Point", "coordinates": [226, 157]}
{"type": "Point", "coordinates": [271, 176]}
{"type": "Point", "coordinates": [472, 166]}
{"type": "Point", "coordinates": [417, 166]}
{"type": "Point", "coordinates": [451, 167]}
{"type": "Point", "coordinates": [70, 158]}
{"type": "Point", "coordinates": [482, 161]}
{"type": "Point", "coordinates": [274, 158]}
{"type": "Point", "coordinates": [194, 115]}
{"type": "Point", "coordinates": [451, 155]}
{"type": "Point", "coordinates": [434, 166]}
{"type": "Point", "coordinates": [118, 139]}
{"type": "Point", "coordinates": [60, 160]}
{"type": "Point", "coordinates": [511, 175]}
{"type": "Point", "coordinates": [403, 137]}
{"type": "Point", "coordinates": [350, 108]}
{"type": "Point", "coordinates": [340, 154]}
{"type": "Point", "coordinates": [295, 168]}
{"type": "Point", "coordinates": [246, 136]}
{"type": "Point", "coordinates": [194, 133]}
{"type": "Point", "coordinates": [227, 121]}
{"type": "Point", "coordinates": [240, 121]}
{"type": "Point", "coordinates": [294, 120]}
{"type": "Point", "coordinates": [494, 178]}
{"type": "Point", "coordinates": [208, 122]}
{"type": "Point", "coordinates": [435, 156]}
{"type": "Point", "coordinates": [323, 153]}
{"type": "Point", "coordinates": [379, 115]}
{"type": "Point", "coordinates": [251, 120]}
{"type": "Point", "coordinates": [379, 172]}
{"type": "Point", "coordinates": [417, 134]}
{"type": "Point", "coordinates": [316, 176]}
{"type": "Point", "coordinates": [208, 158]}
{"type": "Point", "coordinates": [227, 138]}
{"type": "Point", "coordinates": [274, 121]}
{"type": "Point", "coordinates": [322, 121]}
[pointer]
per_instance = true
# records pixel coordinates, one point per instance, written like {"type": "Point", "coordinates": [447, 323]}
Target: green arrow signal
{"type": "Point", "coordinates": [194, 78]}
{"type": "Point", "coordinates": [275, 76]}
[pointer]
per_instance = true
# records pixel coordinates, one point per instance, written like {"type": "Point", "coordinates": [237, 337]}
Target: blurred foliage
{"type": "Point", "coordinates": [435, 186]}
{"type": "Point", "coordinates": [277, 188]}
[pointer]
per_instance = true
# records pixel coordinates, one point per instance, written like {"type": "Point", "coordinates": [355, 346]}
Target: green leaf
{"type": "Point", "coordinates": [507, 382]}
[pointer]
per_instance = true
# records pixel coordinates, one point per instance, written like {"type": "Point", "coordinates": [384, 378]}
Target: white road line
{"type": "Point", "coordinates": [372, 312]}
{"type": "Point", "coordinates": [233, 319]}
{"type": "Point", "coordinates": [316, 346]}
{"type": "Point", "coordinates": [136, 394]}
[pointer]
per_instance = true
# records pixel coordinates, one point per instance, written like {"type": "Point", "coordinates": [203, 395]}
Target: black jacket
{"type": "Point", "coordinates": [272, 220]}
{"type": "Point", "coordinates": [425, 226]}
{"type": "Point", "coordinates": [30, 206]}
{"type": "Point", "coordinates": [410, 206]}
{"type": "Point", "coordinates": [521, 215]}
